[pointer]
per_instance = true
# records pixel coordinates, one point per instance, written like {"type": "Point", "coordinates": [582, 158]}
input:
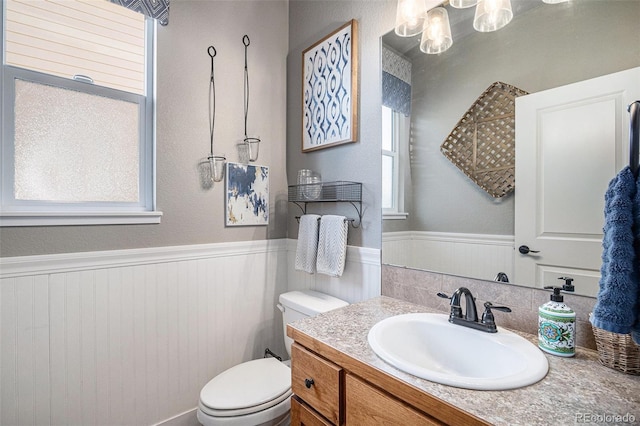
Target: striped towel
{"type": "Point", "coordinates": [332, 245]}
{"type": "Point", "coordinates": [307, 248]}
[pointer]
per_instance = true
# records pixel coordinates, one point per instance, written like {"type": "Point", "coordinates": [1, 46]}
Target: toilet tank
{"type": "Point", "coordinates": [296, 305]}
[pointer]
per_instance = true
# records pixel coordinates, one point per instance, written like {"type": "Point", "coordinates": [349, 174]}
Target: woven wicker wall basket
{"type": "Point", "coordinates": [482, 144]}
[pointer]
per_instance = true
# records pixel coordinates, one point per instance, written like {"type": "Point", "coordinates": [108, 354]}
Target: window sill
{"type": "Point", "coordinates": [395, 216]}
{"type": "Point", "coordinates": [80, 218]}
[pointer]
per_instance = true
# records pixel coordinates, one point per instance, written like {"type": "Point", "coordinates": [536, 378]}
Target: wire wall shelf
{"type": "Point", "coordinates": [328, 192]}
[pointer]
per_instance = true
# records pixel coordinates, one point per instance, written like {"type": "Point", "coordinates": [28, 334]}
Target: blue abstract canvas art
{"type": "Point", "coordinates": [329, 90]}
{"type": "Point", "coordinates": [247, 189]}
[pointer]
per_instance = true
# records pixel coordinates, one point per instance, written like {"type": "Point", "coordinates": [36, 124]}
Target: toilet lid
{"type": "Point", "coordinates": [250, 384]}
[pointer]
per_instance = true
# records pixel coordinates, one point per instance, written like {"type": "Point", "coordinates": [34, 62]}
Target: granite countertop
{"type": "Point", "coordinates": [576, 390]}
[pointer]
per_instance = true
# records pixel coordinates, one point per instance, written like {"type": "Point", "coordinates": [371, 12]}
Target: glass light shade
{"type": "Point", "coordinates": [243, 152]}
{"type": "Point", "coordinates": [204, 173]}
{"type": "Point", "coordinates": [410, 17]}
{"type": "Point", "coordinates": [216, 164]}
{"type": "Point", "coordinates": [462, 4]}
{"type": "Point", "coordinates": [491, 15]}
{"type": "Point", "coordinates": [254, 146]}
{"type": "Point", "coordinates": [436, 37]}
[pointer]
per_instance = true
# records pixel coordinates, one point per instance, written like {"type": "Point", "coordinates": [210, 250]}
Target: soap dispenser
{"type": "Point", "coordinates": [557, 323]}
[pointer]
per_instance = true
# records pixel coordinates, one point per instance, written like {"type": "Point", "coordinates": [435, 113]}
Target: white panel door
{"type": "Point", "coordinates": [570, 142]}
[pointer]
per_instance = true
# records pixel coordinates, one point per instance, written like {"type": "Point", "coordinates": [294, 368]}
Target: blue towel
{"type": "Point", "coordinates": [635, 330]}
{"type": "Point", "coordinates": [616, 307]}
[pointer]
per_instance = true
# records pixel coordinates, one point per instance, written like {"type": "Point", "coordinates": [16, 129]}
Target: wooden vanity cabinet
{"type": "Point", "coordinates": [318, 382]}
{"type": "Point", "coordinates": [367, 405]}
{"type": "Point", "coordinates": [325, 394]}
{"type": "Point", "coordinates": [302, 414]}
{"type": "Point", "coordinates": [332, 388]}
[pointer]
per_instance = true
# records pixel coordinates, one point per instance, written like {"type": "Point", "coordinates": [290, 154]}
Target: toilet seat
{"type": "Point", "coordinates": [247, 388]}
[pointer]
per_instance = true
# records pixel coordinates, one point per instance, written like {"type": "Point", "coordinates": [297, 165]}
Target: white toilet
{"type": "Point", "coordinates": [258, 392]}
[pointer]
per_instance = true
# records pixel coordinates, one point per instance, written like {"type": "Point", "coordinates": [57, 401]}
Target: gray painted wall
{"type": "Point", "coordinates": [192, 215]}
{"type": "Point", "coordinates": [310, 21]}
{"type": "Point", "coordinates": [545, 48]}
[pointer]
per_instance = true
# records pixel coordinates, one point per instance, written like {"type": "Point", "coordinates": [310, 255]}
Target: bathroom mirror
{"type": "Point", "coordinates": [452, 225]}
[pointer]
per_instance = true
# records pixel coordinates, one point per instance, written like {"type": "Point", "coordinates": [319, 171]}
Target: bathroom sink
{"type": "Point", "coordinates": [428, 346]}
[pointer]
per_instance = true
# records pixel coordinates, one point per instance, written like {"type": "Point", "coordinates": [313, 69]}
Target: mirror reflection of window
{"type": "Point", "coordinates": [394, 144]}
{"type": "Point", "coordinates": [389, 162]}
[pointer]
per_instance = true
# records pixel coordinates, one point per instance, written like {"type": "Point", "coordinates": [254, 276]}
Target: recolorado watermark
{"type": "Point", "coordinates": [586, 418]}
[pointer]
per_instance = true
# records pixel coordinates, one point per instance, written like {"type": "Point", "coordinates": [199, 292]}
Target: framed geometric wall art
{"type": "Point", "coordinates": [330, 90]}
{"type": "Point", "coordinates": [247, 199]}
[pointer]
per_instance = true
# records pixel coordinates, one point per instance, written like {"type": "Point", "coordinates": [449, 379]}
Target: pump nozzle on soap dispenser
{"type": "Point", "coordinates": [568, 283]}
{"type": "Point", "coordinates": [557, 295]}
{"type": "Point", "coordinates": [557, 322]}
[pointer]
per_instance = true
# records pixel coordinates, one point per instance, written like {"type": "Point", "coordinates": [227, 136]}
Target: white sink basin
{"type": "Point", "coordinates": [430, 347]}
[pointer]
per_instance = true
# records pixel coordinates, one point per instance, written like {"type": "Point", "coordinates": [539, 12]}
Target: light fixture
{"type": "Point", "coordinates": [410, 17]}
{"type": "Point", "coordinates": [413, 18]}
{"type": "Point", "coordinates": [436, 37]}
{"type": "Point", "coordinates": [252, 143]}
{"type": "Point", "coordinates": [491, 15]}
{"type": "Point", "coordinates": [216, 162]}
{"type": "Point", "coordinates": [462, 4]}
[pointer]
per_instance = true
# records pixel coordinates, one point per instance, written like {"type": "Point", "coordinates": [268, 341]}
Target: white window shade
{"type": "Point", "coordinates": [67, 38]}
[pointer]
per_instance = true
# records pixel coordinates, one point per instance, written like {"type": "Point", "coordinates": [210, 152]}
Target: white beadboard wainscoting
{"type": "Point", "coordinates": [472, 255]}
{"type": "Point", "coordinates": [130, 337]}
{"type": "Point", "coordinates": [360, 280]}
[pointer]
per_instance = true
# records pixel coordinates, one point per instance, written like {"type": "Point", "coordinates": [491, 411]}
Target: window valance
{"type": "Point", "coordinates": [396, 81]}
{"type": "Point", "coordinates": [157, 9]}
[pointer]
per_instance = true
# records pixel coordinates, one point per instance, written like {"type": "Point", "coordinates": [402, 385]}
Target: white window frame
{"type": "Point", "coordinates": [400, 141]}
{"type": "Point", "coordinates": [42, 213]}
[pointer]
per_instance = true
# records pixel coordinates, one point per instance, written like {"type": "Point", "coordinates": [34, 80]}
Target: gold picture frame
{"type": "Point", "coordinates": [330, 90]}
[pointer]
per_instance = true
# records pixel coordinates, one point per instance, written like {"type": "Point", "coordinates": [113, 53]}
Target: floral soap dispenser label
{"type": "Point", "coordinates": [557, 326]}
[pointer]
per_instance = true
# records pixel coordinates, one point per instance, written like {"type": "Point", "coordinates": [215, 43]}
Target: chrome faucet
{"type": "Point", "coordinates": [470, 319]}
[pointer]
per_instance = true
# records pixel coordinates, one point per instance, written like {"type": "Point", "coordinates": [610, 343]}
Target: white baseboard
{"type": "Point", "coordinates": [188, 418]}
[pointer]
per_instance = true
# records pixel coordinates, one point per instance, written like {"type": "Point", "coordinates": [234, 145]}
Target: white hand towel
{"type": "Point", "coordinates": [332, 245]}
{"type": "Point", "coordinates": [307, 248]}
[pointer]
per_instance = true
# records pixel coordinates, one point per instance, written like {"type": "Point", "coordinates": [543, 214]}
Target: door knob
{"type": "Point", "coordinates": [527, 250]}
{"type": "Point", "coordinates": [308, 383]}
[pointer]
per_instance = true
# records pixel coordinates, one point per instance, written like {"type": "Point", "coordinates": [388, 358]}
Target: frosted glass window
{"type": "Point", "coordinates": [72, 146]}
{"type": "Point", "coordinates": [77, 150]}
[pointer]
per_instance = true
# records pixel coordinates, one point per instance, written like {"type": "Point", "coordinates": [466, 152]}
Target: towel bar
{"type": "Point", "coordinates": [346, 219]}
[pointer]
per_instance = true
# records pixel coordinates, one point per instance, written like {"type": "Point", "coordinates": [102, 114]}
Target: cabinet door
{"type": "Point", "coordinates": [317, 382]}
{"type": "Point", "coordinates": [366, 405]}
{"type": "Point", "coordinates": [303, 415]}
